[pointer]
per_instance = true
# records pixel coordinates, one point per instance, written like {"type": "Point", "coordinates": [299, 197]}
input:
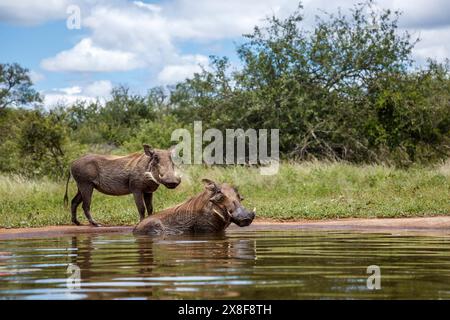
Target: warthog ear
{"type": "Point", "coordinates": [148, 150]}
{"type": "Point", "coordinates": [211, 185]}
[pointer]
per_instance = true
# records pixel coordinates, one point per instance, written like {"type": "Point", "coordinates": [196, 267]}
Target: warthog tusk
{"type": "Point", "coordinates": [150, 176]}
{"type": "Point", "coordinates": [219, 214]}
{"type": "Point", "coordinates": [254, 210]}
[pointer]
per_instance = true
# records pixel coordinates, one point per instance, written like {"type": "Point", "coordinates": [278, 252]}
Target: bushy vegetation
{"type": "Point", "coordinates": [345, 90]}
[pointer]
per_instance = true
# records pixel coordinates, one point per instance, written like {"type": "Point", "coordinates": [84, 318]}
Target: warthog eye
{"type": "Point", "coordinates": [217, 197]}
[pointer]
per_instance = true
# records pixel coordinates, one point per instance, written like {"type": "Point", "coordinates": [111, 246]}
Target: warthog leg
{"type": "Point", "coordinates": [86, 192]}
{"type": "Point", "coordinates": [74, 205]}
{"type": "Point", "coordinates": [139, 200]}
{"type": "Point", "coordinates": [148, 202]}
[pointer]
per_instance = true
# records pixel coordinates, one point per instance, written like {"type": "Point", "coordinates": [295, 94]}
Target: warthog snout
{"type": "Point", "coordinates": [170, 182]}
{"type": "Point", "coordinates": [242, 217]}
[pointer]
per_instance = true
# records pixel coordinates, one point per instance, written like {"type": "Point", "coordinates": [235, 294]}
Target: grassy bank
{"type": "Point", "coordinates": [307, 190]}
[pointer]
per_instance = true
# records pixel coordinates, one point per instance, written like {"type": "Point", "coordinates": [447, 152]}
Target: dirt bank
{"type": "Point", "coordinates": [420, 223]}
{"type": "Point", "coordinates": [427, 225]}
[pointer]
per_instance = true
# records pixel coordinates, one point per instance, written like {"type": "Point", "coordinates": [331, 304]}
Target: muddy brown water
{"type": "Point", "coordinates": [247, 263]}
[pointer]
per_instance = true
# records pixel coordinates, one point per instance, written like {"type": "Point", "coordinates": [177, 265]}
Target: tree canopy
{"type": "Point", "coordinates": [346, 89]}
{"type": "Point", "coordinates": [16, 86]}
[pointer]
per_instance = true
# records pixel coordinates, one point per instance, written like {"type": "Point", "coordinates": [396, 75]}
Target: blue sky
{"type": "Point", "coordinates": [147, 43]}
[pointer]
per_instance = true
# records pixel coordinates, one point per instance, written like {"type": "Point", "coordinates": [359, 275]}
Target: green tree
{"type": "Point", "coordinates": [41, 143]}
{"type": "Point", "coordinates": [16, 86]}
{"type": "Point", "coordinates": [344, 90]}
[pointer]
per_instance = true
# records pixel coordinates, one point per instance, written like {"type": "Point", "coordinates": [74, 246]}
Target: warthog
{"type": "Point", "coordinates": [212, 210]}
{"type": "Point", "coordinates": [138, 173]}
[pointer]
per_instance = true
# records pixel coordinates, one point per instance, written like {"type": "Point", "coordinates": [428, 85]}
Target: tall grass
{"type": "Point", "coordinates": [313, 190]}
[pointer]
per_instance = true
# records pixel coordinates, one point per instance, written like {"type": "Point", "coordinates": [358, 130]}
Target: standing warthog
{"type": "Point", "coordinates": [213, 210]}
{"type": "Point", "coordinates": [138, 173]}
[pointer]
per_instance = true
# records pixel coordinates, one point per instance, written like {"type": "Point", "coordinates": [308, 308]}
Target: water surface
{"type": "Point", "coordinates": [242, 264]}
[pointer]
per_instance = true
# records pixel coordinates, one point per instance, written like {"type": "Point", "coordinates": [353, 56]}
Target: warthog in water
{"type": "Point", "coordinates": [212, 210]}
{"type": "Point", "coordinates": [138, 173]}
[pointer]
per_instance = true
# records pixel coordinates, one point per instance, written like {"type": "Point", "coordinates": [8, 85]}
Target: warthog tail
{"type": "Point", "coordinates": [66, 197]}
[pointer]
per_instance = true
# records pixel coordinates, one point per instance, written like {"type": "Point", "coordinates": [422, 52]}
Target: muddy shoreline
{"type": "Point", "coordinates": [427, 225]}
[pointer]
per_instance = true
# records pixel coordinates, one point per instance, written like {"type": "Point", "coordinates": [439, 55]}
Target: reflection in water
{"type": "Point", "coordinates": [289, 264]}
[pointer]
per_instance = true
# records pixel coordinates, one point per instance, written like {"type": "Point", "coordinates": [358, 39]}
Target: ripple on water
{"type": "Point", "coordinates": [268, 264]}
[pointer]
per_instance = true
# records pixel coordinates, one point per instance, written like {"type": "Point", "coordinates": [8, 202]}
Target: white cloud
{"type": "Point", "coordinates": [434, 44]}
{"type": "Point", "coordinates": [35, 76]}
{"type": "Point", "coordinates": [422, 14]}
{"type": "Point", "coordinates": [207, 20]}
{"type": "Point", "coordinates": [86, 56]}
{"type": "Point", "coordinates": [31, 12]}
{"type": "Point", "coordinates": [124, 35]}
{"type": "Point", "coordinates": [52, 100]}
{"type": "Point", "coordinates": [91, 92]}
{"type": "Point", "coordinates": [70, 90]}
{"type": "Point", "coordinates": [187, 66]}
{"type": "Point", "coordinates": [131, 28]}
{"type": "Point", "coordinates": [100, 88]}
{"type": "Point", "coordinates": [148, 6]}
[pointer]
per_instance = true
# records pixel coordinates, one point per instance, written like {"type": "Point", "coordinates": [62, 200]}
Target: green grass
{"type": "Point", "coordinates": [314, 190]}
